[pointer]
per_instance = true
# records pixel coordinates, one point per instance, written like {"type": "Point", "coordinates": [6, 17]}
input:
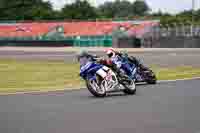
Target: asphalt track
{"type": "Point", "coordinates": [165, 58]}
{"type": "Point", "coordinates": [171, 107]}
{"type": "Point", "coordinates": [168, 107]}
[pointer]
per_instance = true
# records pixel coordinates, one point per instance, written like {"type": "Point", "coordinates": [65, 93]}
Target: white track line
{"type": "Point", "coordinates": [60, 90]}
{"type": "Point", "coordinates": [165, 81]}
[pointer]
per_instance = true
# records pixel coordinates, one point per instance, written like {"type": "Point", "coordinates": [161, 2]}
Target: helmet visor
{"type": "Point", "coordinates": [110, 55]}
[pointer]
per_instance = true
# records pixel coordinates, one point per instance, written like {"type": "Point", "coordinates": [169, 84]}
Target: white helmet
{"type": "Point", "coordinates": [110, 52]}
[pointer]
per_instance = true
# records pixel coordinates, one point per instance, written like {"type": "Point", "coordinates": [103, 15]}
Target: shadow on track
{"type": "Point", "coordinates": [111, 96]}
{"type": "Point", "coordinates": [118, 94]}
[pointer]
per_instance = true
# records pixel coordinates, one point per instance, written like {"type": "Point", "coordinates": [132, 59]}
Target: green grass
{"type": "Point", "coordinates": [37, 75]}
{"type": "Point", "coordinates": [27, 76]}
{"type": "Point", "coordinates": [177, 72]}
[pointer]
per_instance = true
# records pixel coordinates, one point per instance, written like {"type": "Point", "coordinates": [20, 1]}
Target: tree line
{"type": "Point", "coordinates": [79, 9]}
{"type": "Point", "coordinates": [186, 17]}
{"type": "Point", "coordinates": [83, 10]}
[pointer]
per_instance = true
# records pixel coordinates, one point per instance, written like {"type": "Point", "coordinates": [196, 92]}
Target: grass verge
{"type": "Point", "coordinates": [28, 76]}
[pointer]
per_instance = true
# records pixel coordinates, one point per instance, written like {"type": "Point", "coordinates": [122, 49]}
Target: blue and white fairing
{"type": "Point", "coordinates": [88, 68]}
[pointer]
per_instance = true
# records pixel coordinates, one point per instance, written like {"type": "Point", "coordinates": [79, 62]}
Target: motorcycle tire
{"type": "Point", "coordinates": [129, 85]}
{"type": "Point", "coordinates": [130, 89]}
{"type": "Point", "coordinates": [93, 92]}
{"type": "Point", "coordinates": [152, 79]}
{"type": "Point", "coordinates": [125, 81]}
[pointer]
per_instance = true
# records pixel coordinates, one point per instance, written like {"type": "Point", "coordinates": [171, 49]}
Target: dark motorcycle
{"type": "Point", "coordinates": [143, 74]}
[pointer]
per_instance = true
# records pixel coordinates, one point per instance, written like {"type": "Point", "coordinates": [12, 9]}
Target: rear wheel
{"type": "Point", "coordinates": [130, 89]}
{"type": "Point", "coordinates": [151, 78]}
{"type": "Point", "coordinates": [126, 82]}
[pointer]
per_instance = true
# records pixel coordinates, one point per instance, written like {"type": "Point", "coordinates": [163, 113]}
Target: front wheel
{"type": "Point", "coordinates": [95, 89]}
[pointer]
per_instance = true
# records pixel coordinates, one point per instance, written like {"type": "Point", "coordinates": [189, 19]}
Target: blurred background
{"type": "Point", "coordinates": [100, 23]}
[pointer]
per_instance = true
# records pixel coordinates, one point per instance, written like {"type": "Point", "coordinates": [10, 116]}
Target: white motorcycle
{"type": "Point", "coordinates": [104, 81]}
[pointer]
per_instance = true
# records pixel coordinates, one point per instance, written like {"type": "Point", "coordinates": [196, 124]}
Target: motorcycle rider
{"type": "Point", "coordinates": [131, 59]}
{"type": "Point", "coordinates": [86, 61]}
{"type": "Point", "coordinates": [121, 62]}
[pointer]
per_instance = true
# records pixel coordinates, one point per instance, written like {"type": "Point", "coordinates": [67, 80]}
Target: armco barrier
{"type": "Point", "coordinates": [36, 43]}
{"type": "Point", "coordinates": [83, 41]}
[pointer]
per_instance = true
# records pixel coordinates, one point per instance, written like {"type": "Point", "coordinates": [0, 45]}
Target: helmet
{"type": "Point", "coordinates": [82, 53]}
{"type": "Point", "coordinates": [125, 53]}
{"type": "Point", "coordinates": [111, 52]}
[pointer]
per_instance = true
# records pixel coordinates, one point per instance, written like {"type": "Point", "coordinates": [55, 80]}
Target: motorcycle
{"type": "Point", "coordinates": [101, 80]}
{"type": "Point", "coordinates": [143, 73]}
